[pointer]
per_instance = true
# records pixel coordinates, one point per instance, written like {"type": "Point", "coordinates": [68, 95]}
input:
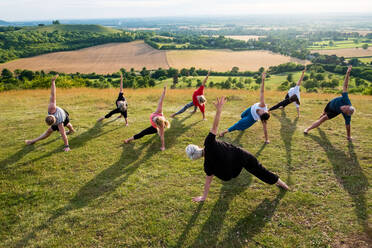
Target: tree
{"type": "Point", "coordinates": [319, 77]}
{"type": "Point", "coordinates": [6, 74]}
{"type": "Point", "coordinates": [144, 72]}
{"type": "Point", "coordinates": [365, 46]}
{"type": "Point", "coordinates": [261, 70]}
{"type": "Point", "coordinates": [235, 70]}
{"type": "Point", "coordinates": [290, 77]}
{"type": "Point", "coordinates": [56, 22]}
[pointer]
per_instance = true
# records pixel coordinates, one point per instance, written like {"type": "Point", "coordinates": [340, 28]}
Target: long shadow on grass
{"type": "Point", "coordinates": [248, 227]}
{"type": "Point", "coordinates": [349, 174]}
{"type": "Point", "coordinates": [12, 159]}
{"type": "Point", "coordinates": [103, 184]}
{"type": "Point", "coordinates": [77, 141]}
{"type": "Point", "coordinates": [209, 234]}
{"type": "Point", "coordinates": [178, 127]}
{"type": "Point", "coordinates": [287, 131]}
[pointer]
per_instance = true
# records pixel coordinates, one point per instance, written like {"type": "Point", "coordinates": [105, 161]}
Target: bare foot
{"type": "Point", "coordinates": [306, 132]}
{"type": "Point", "coordinates": [222, 134]}
{"type": "Point", "coordinates": [126, 124]}
{"type": "Point", "coordinates": [282, 184]}
{"type": "Point", "coordinates": [29, 142]}
{"type": "Point", "coordinates": [100, 119]}
{"type": "Point", "coordinates": [173, 115]}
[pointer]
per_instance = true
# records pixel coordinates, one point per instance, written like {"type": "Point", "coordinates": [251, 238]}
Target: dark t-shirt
{"type": "Point", "coordinates": [222, 159]}
{"type": "Point", "coordinates": [120, 98]}
{"type": "Point", "coordinates": [336, 103]}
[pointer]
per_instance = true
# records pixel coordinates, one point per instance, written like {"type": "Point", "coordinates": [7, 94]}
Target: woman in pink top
{"type": "Point", "coordinates": [198, 100]}
{"type": "Point", "coordinates": [158, 123]}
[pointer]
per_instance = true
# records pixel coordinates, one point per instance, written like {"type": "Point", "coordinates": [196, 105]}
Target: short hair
{"type": "Point", "coordinates": [50, 120]}
{"type": "Point", "coordinates": [352, 110]}
{"type": "Point", "coordinates": [265, 116]}
{"type": "Point", "coordinates": [201, 99]}
{"type": "Point", "coordinates": [194, 152]}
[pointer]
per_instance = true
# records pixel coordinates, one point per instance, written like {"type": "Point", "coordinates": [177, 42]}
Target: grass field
{"type": "Point", "coordinates": [324, 45]}
{"type": "Point", "coordinates": [105, 194]}
{"type": "Point", "coordinates": [109, 58]}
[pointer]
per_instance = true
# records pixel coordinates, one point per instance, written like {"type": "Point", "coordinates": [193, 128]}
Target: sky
{"type": "Point", "coordinates": [29, 10]}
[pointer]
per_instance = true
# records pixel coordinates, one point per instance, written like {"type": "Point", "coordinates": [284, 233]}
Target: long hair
{"type": "Point", "coordinates": [264, 117]}
{"type": "Point", "coordinates": [162, 122]}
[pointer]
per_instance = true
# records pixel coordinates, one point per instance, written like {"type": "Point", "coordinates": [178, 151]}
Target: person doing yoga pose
{"type": "Point", "coordinates": [57, 119]}
{"type": "Point", "coordinates": [226, 161]}
{"type": "Point", "coordinates": [121, 105]}
{"type": "Point", "coordinates": [158, 124]}
{"type": "Point", "coordinates": [257, 111]}
{"type": "Point", "coordinates": [338, 105]}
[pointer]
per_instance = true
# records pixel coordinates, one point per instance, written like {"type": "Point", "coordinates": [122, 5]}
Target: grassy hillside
{"type": "Point", "coordinates": [106, 194]}
{"type": "Point", "coordinates": [72, 28]}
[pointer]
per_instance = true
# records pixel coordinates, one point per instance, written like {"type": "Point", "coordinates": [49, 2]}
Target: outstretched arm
{"type": "Point", "coordinates": [301, 78]}
{"type": "Point", "coordinates": [160, 104]}
{"type": "Point", "coordinates": [347, 77]}
{"type": "Point", "coordinates": [348, 132]}
{"type": "Point", "coordinates": [206, 78]}
{"type": "Point", "coordinates": [53, 102]}
{"type": "Point", "coordinates": [220, 102]}
{"type": "Point", "coordinates": [121, 82]}
{"type": "Point", "coordinates": [207, 184]}
{"type": "Point", "coordinates": [262, 90]}
{"type": "Point", "coordinates": [161, 134]}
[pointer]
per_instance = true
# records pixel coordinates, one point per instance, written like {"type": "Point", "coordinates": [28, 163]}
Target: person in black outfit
{"type": "Point", "coordinates": [226, 161]}
{"type": "Point", "coordinates": [121, 105]}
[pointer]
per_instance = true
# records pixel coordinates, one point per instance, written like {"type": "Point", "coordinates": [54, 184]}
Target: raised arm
{"type": "Point", "coordinates": [53, 102]}
{"type": "Point", "coordinates": [160, 104]}
{"type": "Point", "coordinates": [220, 102]}
{"type": "Point", "coordinates": [262, 90]}
{"type": "Point", "coordinates": [207, 184]}
{"type": "Point", "coordinates": [206, 78]}
{"type": "Point", "coordinates": [301, 78]}
{"type": "Point", "coordinates": [121, 82]}
{"type": "Point", "coordinates": [347, 77]}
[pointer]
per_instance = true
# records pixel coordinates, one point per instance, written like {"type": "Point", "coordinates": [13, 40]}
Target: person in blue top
{"type": "Point", "coordinates": [257, 111]}
{"type": "Point", "coordinates": [338, 105]}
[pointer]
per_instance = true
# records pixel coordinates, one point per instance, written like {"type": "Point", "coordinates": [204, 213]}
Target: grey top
{"type": "Point", "coordinates": [60, 115]}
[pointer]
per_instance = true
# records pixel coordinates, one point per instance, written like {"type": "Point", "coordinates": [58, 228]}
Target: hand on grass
{"type": "Point", "coordinates": [67, 149]}
{"type": "Point", "coordinates": [198, 199]}
{"type": "Point", "coordinates": [267, 141]}
{"type": "Point", "coordinates": [162, 148]}
{"type": "Point", "coordinates": [350, 139]}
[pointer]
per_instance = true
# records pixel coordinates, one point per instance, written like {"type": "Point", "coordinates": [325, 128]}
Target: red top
{"type": "Point", "coordinates": [198, 92]}
{"type": "Point", "coordinates": [152, 117]}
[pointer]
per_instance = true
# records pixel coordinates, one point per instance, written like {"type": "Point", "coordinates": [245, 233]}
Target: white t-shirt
{"type": "Point", "coordinates": [295, 91]}
{"type": "Point", "coordinates": [60, 115]}
{"type": "Point", "coordinates": [254, 109]}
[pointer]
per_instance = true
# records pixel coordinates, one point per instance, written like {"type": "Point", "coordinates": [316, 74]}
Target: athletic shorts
{"type": "Point", "coordinates": [329, 112]}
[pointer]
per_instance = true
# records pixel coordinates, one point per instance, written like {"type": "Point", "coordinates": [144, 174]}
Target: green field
{"type": "Point", "coordinates": [106, 194]}
{"type": "Point", "coordinates": [72, 28]}
{"type": "Point", "coordinates": [324, 45]}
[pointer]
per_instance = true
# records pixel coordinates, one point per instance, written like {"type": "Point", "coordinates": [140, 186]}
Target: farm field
{"type": "Point", "coordinates": [101, 59]}
{"type": "Point", "coordinates": [224, 60]}
{"type": "Point", "coordinates": [106, 194]}
{"type": "Point", "coordinates": [324, 45]}
{"type": "Point", "coordinates": [346, 52]}
{"type": "Point", "coordinates": [111, 57]}
{"type": "Point", "coordinates": [244, 37]}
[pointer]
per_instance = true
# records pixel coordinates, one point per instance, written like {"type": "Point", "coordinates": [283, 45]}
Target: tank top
{"type": "Point", "coordinates": [152, 119]}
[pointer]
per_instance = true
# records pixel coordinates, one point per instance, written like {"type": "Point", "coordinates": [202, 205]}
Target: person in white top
{"type": "Point", "coordinates": [57, 118]}
{"type": "Point", "coordinates": [257, 111]}
{"type": "Point", "coordinates": [293, 95]}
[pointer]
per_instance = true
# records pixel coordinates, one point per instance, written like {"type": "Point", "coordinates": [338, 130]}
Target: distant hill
{"type": "Point", "coordinates": [4, 22]}
{"type": "Point", "coordinates": [72, 27]}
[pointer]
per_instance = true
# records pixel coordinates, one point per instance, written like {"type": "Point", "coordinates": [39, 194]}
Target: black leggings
{"type": "Point", "coordinates": [284, 103]}
{"type": "Point", "coordinates": [147, 131]}
{"type": "Point", "coordinates": [253, 166]}
{"type": "Point", "coordinates": [116, 111]}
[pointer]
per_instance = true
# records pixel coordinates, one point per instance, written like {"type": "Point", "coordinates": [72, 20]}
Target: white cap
{"type": "Point", "coordinates": [194, 152]}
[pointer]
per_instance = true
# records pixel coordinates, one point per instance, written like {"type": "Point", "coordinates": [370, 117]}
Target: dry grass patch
{"type": "Point", "coordinates": [347, 52]}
